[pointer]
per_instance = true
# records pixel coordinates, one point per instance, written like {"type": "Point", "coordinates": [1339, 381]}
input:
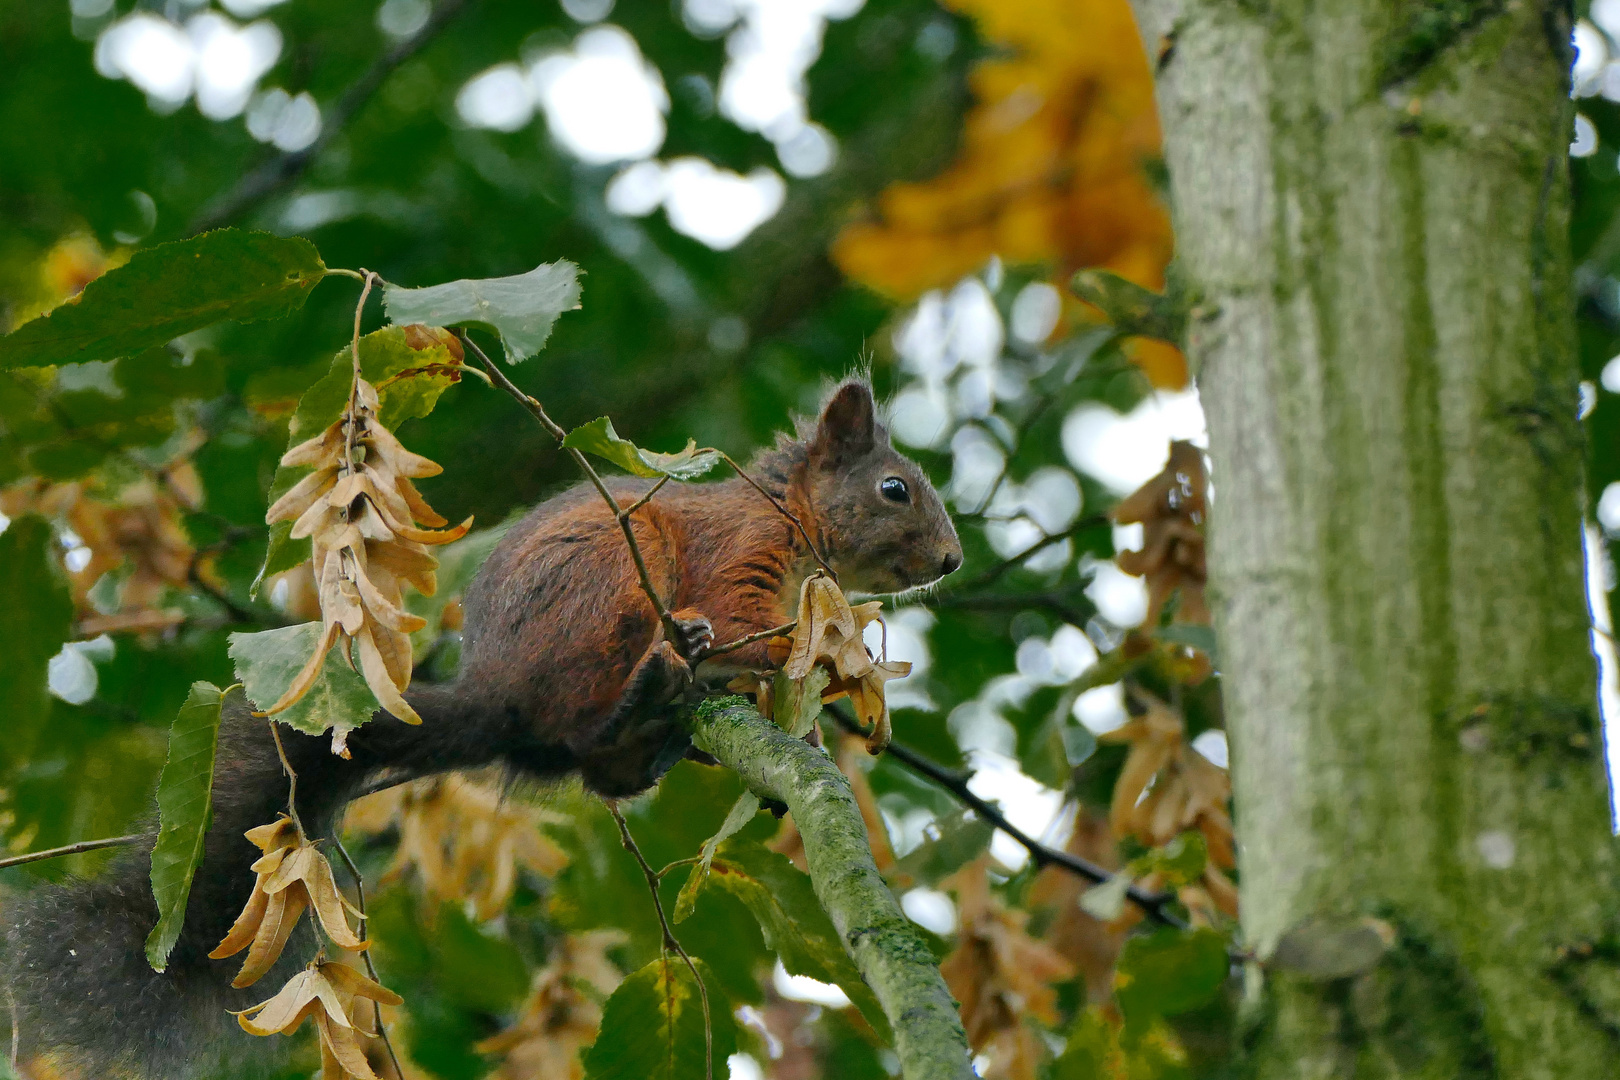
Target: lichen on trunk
{"type": "Point", "coordinates": [1371, 204]}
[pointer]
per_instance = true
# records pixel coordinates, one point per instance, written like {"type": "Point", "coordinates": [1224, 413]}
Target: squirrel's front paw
{"type": "Point", "coordinates": [695, 632]}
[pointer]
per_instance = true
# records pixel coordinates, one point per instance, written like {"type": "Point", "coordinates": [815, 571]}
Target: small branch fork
{"type": "Point", "coordinates": [670, 944]}
{"type": "Point", "coordinates": [1154, 905]}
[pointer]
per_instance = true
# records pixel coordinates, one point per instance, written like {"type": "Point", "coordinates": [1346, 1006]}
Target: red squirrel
{"type": "Point", "coordinates": [565, 669]}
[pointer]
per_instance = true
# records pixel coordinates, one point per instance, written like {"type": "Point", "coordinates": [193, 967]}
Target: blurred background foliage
{"type": "Point", "coordinates": [763, 195]}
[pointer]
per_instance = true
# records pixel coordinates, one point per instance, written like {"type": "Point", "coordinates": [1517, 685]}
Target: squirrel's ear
{"type": "Point", "coordinates": [848, 426]}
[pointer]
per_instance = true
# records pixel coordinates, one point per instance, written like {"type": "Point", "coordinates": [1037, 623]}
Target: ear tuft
{"type": "Point", "coordinates": [848, 426]}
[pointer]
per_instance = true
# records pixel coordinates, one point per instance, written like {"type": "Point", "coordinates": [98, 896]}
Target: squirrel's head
{"type": "Point", "coordinates": [884, 527]}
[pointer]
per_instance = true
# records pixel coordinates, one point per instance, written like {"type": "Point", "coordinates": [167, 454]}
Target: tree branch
{"type": "Point", "coordinates": [72, 849]}
{"type": "Point", "coordinates": [1155, 905]}
{"type": "Point", "coordinates": [281, 170]}
{"type": "Point", "coordinates": [880, 939]}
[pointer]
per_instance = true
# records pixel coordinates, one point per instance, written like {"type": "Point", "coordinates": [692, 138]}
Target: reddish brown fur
{"type": "Point", "coordinates": [558, 628]}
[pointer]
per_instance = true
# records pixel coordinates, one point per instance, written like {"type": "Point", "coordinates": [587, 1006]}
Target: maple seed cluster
{"type": "Point", "coordinates": [1187, 791]}
{"type": "Point", "coordinates": [1171, 509]}
{"type": "Point", "coordinates": [829, 634]}
{"type": "Point", "coordinates": [293, 876]}
{"type": "Point", "coordinates": [326, 991]}
{"type": "Point", "coordinates": [361, 513]}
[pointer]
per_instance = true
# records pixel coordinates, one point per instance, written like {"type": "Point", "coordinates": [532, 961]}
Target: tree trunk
{"type": "Point", "coordinates": [1371, 209]}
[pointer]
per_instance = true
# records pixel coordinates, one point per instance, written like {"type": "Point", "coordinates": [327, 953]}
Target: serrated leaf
{"type": "Point", "coordinates": [411, 366]}
{"type": "Point", "coordinates": [1169, 972]}
{"type": "Point", "coordinates": [185, 792]}
{"type": "Point", "coordinates": [962, 838]}
{"type": "Point", "coordinates": [266, 663]}
{"type": "Point", "coordinates": [781, 898]}
{"type": "Point", "coordinates": [39, 620]}
{"type": "Point", "coordinates": [652, 1026]}
{"type": "Point", "coordinates": [521, 309]}
{"type": "Point", "coordinates": [169, 290]}
{"type": "Point", "coordinates": [599, 438]}
{"type": "Point", "coordinates": [741, 813]}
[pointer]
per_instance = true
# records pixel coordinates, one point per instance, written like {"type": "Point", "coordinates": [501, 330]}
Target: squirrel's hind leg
{"type": "Point", "coordinates": [642, 737]}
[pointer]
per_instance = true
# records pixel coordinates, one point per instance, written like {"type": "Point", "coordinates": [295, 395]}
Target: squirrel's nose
{"type": "Point", "coordinates": [953, 559]}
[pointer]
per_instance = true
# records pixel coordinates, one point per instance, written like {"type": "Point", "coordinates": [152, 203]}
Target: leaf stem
{"type": "Point", "coordinates": [670, 944]}
{"type": "Point", "coordinates": [292, 780]}
{"type": "Point", "coordinates": [371, 965]}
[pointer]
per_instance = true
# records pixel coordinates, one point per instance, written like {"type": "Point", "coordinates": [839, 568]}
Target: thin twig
{"type": "Point", "coordinates": [784, 511]}
{"type": "Point", "coordinates": [1056, 603]}
{"type": "Point", "coordinates": [73, 849]}
{"type": "Point", "coordinates": [670, 944]}
{"type": "Point", "coordinates": [775, 631]}
{"type": "Point", "coordinates": [671, 631]}
{"type": "Point", "coordinates": [281, 170]}
{"type": "Point", "coordinates": [371, 966]}
{"type": "Point", "coordinates": [993, 573]}
{"type": "Point", "coordinates": [292, 779]}
{"type": "Point", "coordinates": [1153, 904]}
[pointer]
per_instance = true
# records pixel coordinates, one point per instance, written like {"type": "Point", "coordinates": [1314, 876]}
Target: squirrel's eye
{"type": "Point", "coordinates": [894, 489]}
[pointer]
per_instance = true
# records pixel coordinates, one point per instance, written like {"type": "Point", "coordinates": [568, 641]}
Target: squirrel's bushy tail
{"type": "Point", "coordinates": [73, 957]}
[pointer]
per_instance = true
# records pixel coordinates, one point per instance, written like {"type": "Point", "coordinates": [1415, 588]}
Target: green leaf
{"type": "Point", "coordinates": [797, 702]}
{"type": "Point", "coordinates": [742, 812]}
{"type": "Point", "coordinates": [267, 661]}
{"type": "Point", "coordinates": [1192, 635]}
{"type": "Point", "coordinates": [1106, 900]}
{"type": "Point", "coordinates": [1325, 948]}
{"type": "Point", "coordinates": [410, 370]}
{"type": "Point", "coordinates": [169, 290]}
{"type": "Point", "coordinates": [521, 309]}
{"type": "Point", "coordinates": [184, 806]}
{"type": "Point", "coordinates": [39, 620]}
{"type": "Point", "coordinates": [599, 438]}
{"type": "Point", "coordinates": [1169, 972]}
{"type": "Point", "coordinates": [652, 1026]}
{"type": "Point", "coordinates": [1180, 862]}
{"type": "Point", "coordinates": [781, 898]}
{"type": "Point", "coordinates": [962, 838]}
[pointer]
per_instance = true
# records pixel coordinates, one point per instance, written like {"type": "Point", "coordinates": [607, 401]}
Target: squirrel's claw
{"type": "Point", "coordinates": [695, 632]}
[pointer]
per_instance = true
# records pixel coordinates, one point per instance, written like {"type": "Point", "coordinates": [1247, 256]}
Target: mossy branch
{"type": "Point", "coordinates": [889, 954]}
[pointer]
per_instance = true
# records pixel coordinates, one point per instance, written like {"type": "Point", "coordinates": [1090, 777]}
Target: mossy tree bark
{"type": "Point", "coordinates": [1371, 206]}
{"type": "Point", "coordinates": [891, 957]}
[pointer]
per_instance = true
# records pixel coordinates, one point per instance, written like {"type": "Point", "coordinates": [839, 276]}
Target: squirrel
{"type": "Point", "coordinates": [565, 669]}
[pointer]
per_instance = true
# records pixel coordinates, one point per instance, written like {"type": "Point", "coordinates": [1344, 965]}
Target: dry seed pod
{"type": "Point", "coordinates": [1188, 791]}
{"type": "Point", "coordinates": [361, 514]}
{"type": "Point", "coordinates": [292, 876]}
{"type": "Point", "coordinates": [325, 991]}
{"type": "Point", "coordinates": [830, 634]}
{"type": "Point", "coordinates": [1171, 509]}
